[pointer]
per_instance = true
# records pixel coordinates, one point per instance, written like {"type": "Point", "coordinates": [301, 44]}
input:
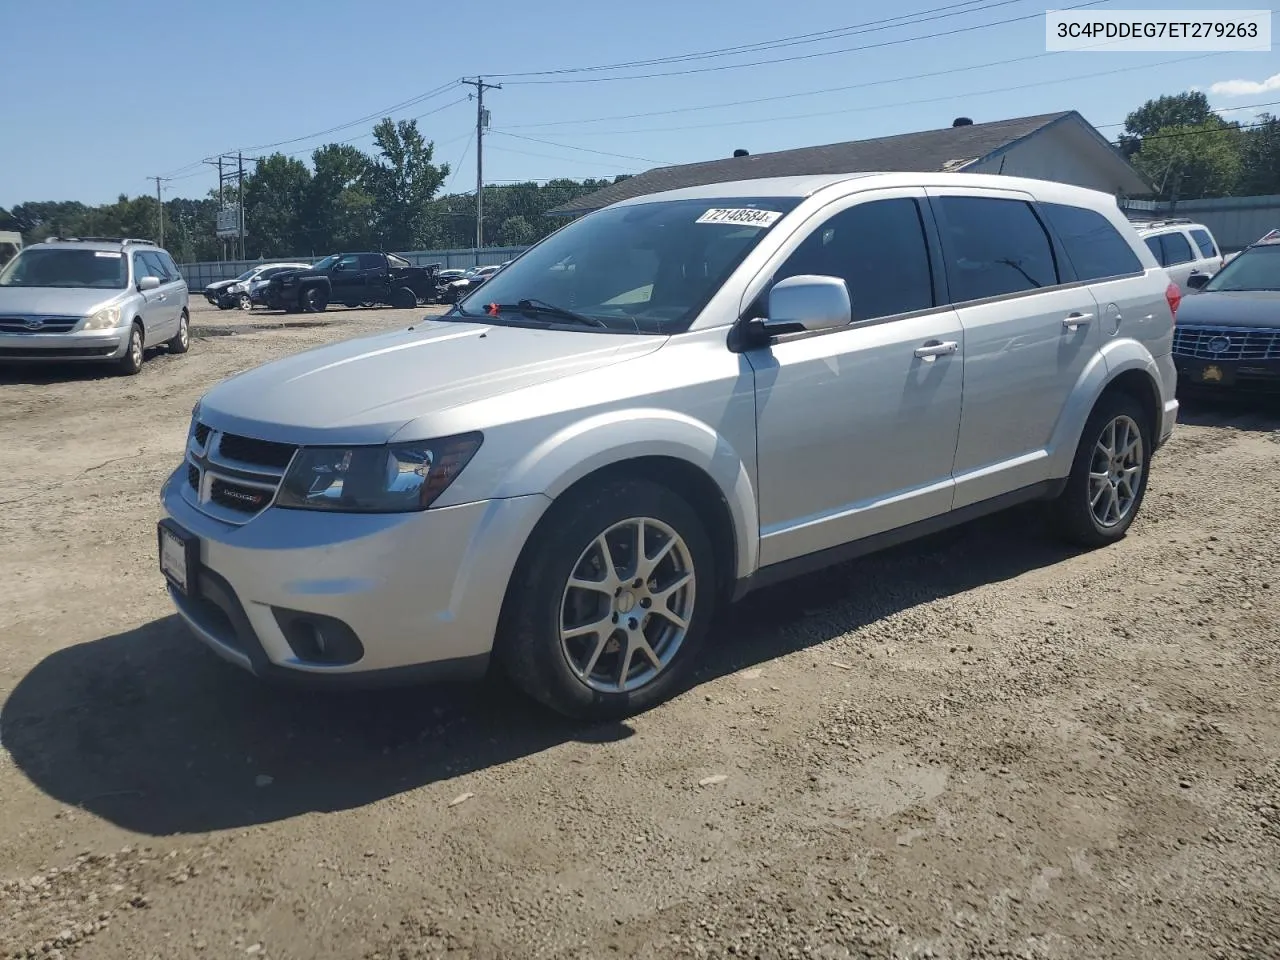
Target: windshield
{"type": "Point", "coordinates": [1257, 268]}
{"type": "Point", "coordinates": [326, 263]}
{"type": "Point", "coordinates": [650, 267]}
{"type": "Point", "coordinates": [45, 267]}
{"type": "Point", "coordinates": [248, 274]}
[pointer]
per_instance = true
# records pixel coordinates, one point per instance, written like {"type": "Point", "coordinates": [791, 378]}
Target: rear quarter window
{"type": "Point", "coordinates": [1205, 243]}
{"type": "Point", "coordinates": [1094, 246]}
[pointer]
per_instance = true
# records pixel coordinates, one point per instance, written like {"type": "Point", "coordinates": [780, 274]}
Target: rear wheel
{"type": "Point", "coordinates": [1108, 476]}
{"type": "Point", "coordinates": [180, 342]}
{"type": "Point", "coordinates": [131, 363]}
{"type": "Point", "coordinates": [607, 610]}
{"type": "Point", "coordinates": [403, 298]}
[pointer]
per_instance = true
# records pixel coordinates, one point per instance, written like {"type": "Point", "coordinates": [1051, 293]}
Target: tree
{"type": "Point", "coordinates": [403, 181]}
{"type": "Point", "coordinates": [517, 232]}
{"type": "Point", "coordinates": [274, 198]}
{"type": "Point", "coordinates": [1191, 161]}
{"type": "Point", "coordinates": [1260, 157]}
{"type": "Point", "coordinates": [1178, 110]}
{"type": "Point", "coordinates": [339, 212]}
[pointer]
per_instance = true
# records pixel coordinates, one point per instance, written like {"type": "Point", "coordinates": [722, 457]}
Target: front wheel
{"type": "Point", "coordinates": [131, 363]}
{"type": "Point", "coordinates": [313, 300]}
{"type": "Point", "coordinates": [243, 302]}
{"type": "Point", "coordinates": [1108, 476]}
{"type": "Point", "coordinates": [609, 606]}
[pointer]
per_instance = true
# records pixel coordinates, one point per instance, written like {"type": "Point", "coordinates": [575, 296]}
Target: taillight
{"type": "Point", "coordinates": [1173, 294]}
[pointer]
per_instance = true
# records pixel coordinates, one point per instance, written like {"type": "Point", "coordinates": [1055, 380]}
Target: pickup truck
{"type": "Point", "coordinates": [352, 279]}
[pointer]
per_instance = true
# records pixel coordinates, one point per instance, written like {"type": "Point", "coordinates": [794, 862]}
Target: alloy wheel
{"type": "Point", "coordinates": [626, 608]}
{"type": "Point", "coordinates": [1115, 473]}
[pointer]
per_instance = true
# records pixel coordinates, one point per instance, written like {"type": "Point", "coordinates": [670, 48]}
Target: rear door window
{"type": "Point", "coordinates": [1176, 249]}
{"type": "Point", "coordinates": [1093, 245]}
{"type": "Point", "coordinates": [994, 247]}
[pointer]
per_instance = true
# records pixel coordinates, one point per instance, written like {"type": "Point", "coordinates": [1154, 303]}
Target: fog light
{"type": "Point", "coordinates": [315, 638]}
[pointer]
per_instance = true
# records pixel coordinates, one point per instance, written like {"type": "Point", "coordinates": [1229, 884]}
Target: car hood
{"type": "Point", "coordinates": [56, 301]}
{"type": "Point", "coordinates": [219, 285]}
{"type": "Point", "coordinates": [1234, 308]}
{"type": "Point", "coordinates": [366, 389]}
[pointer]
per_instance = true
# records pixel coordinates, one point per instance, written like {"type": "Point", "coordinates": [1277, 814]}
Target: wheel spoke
{"type": "Point", "coordinates": [1113, 505]}
{"type": "Point", "coordinates": [595, 586]}
{"type": "Point", "coordinates": [647, 565]}
{"type": "Point", "coordinates": [601, 641]}
{"type": "Point", "coordinates": [671, 616]}
{"type": "Point", "coordinates": [604, 625]}
{"type": "Point", "coordinates": [660, 597]}
{"type": "Point", "coordinates": [1102, 488]}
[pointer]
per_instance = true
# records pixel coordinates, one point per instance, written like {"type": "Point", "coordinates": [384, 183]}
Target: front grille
{"type": "Point", "coordinates": [37, 324]}
{"type": "Point", "coordinates": [1226, 343]}
{"type": "Point", "coordinates": [262, 453]}
{"type": "Point", "coordinates": [237, 496]}
{"type": "Point", "coordinates": [233, 477]}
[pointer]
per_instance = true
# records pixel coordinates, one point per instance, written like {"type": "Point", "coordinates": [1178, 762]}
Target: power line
{"type": "Point", "coordinates": [810, 56]}
{"type": "Point", "coordinates": [862, 108]}
{"type": "Point", "coordinates": [547, 156]}
{"type": "Point", "coordinates": [565, 146]}
{"type": "Point", "coordinates": [1243, 106]}
{"type": "Point", "coordinates": [781, 42]}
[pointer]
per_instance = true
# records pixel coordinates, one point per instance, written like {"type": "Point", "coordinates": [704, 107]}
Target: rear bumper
{"type": "Point", "coordinates": [63, 347]}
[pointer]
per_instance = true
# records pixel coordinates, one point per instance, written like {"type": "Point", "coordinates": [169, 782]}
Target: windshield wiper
{"type": "Point", "coordinates": [535, 307]}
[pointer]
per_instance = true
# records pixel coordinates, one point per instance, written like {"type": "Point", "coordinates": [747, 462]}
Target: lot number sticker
{"type": "Point", "coordinates": [744, 217]}
{"type": "Point", "coordinates": [108, 254]}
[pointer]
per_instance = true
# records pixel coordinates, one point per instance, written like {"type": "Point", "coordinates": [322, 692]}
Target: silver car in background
{"type": "Point", "coordinates": [664, 405]}
{"type": "Point", "coordinates": [97, 299]}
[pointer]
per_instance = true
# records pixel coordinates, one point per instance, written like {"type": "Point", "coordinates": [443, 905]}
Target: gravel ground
{"type": "Point", "coordinates": [977, 746]}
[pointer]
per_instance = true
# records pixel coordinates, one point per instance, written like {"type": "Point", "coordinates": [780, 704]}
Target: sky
{"type": "Point", "coordinates": [102, 96]}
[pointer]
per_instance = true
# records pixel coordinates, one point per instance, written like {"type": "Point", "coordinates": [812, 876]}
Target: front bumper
{"type": "Point", "coordinates": [420, 592]}
{"type": "Point", "coordinates": [97, 345]}
{"type": "Point", "coordinates": [1236, 376]}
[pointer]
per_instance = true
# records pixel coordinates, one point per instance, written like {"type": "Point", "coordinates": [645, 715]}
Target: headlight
{"type": "Point", "coordinates": [104, 319]}
{"type": "Point", "coordinates": [388, 479]}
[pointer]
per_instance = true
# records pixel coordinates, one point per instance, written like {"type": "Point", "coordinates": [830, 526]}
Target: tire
{"type": "Point", "coordinates": [180, 342]}
{"type": "Point", "coordinates": [313, 300]}
{"type": "Point", "coordinates": [130, 364]}
{"type": "Point", "coordinates": [1095, 472]}
{"type": "Point", "coordinates": [243, 302]}
{"type": "Point", "coordinates": [403, 298]}
{"type": "Point", "coordinates": [581, 675]}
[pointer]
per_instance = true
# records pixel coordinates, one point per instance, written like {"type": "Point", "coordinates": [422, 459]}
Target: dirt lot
{"type": "Point", "coordinates": [979, 746]}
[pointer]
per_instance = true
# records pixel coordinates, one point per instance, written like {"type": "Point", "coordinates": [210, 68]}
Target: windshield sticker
{"type": "Point", "coordinates": [106, 253]}
{"type": "Point", "coordinates": [744, 216]}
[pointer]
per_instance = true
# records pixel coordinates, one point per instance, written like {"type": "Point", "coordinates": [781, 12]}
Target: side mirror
{"type": "Point", "coordinates": [148, 283]}
{"type": "Point", "coordinates": [1197, 280]}
{"type": "Point", "coordinates": [808, 303]}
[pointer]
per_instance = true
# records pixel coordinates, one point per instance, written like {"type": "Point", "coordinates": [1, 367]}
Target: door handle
{"type": "Point", "coordinates": [935, 348]}
{"type": "Point", "coordinates": [1075, 321]}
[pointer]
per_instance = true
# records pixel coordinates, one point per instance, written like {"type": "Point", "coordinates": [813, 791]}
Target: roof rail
{"type": "Point", "coordinates": [125, 241]}
{"type": "Point", "coordinates": [1159, 221]}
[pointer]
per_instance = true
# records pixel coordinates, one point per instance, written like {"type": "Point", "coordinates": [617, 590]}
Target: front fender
{"type": "Point", "coordinates": [1115, 358]}
{"type": "Point", "coordinates": [585, 446]}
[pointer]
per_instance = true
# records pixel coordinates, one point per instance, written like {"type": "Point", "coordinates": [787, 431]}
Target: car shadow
{"type": "Point", "coordinates": [150, 731]}
{"type": "Point", "coordinates": [1252, 413]}
{"type": "Point", "coordinates": [42, 373]}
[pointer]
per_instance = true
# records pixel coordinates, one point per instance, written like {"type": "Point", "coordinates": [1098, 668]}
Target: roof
{"type": "Point", "coordinates": [950, 149]}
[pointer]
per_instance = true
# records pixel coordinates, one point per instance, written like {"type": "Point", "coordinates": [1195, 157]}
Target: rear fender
{"type": "Point", "coordinates": [1115, 358]}
{"type": "Point", "coordinates": [601, 441]}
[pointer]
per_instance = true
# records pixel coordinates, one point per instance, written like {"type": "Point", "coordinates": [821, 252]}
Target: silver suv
{"type": "Point", "coordinates": [92, 299]}
{"type": "Point", "coordinates": [662, 406]}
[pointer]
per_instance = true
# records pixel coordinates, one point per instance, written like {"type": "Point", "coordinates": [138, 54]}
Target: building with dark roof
{"type": "Point", "coordinates": [1053, 146]}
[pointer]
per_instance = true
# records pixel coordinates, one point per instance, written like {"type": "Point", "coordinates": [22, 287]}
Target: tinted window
{"type": "Point", "coordinates": [878, 249]}
{"type": "Point", "coordinates": [369, 261]}
{"type": "Point", "coordinates": [1156, 248]}
{"type": "Point", "coordinates": [1176, 249]}
{"type": "Point", "coordinates": [172, 267]}
{"type": "Point", "coordinates": [1095, 248]}
{"type": "Point", "coordinates": [1204, 242]}
{"type": "Point", "coordinates": [994, 247]}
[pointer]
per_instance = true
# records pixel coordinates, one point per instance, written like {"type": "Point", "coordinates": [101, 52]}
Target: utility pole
{"type": "Point", "coordinates": [160, 205]}
{"type": "Point", "coordinates": [482, 122]}
{"type": "Point", "coordinates": [240, 202]}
